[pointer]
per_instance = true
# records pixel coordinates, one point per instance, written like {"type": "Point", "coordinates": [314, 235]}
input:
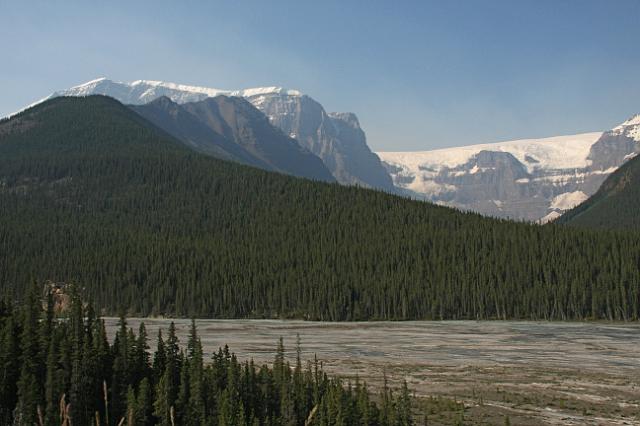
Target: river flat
{"type": "Point", "coordinates": [562, 372]}
{"type": "Point", "coordinates": [594, 346]}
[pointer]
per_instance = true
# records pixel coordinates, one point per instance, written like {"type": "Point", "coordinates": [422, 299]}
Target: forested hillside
{"type": "Point", "coordinates": [94, 194]}
{"type": "Point", "coordinates": [615, 205]}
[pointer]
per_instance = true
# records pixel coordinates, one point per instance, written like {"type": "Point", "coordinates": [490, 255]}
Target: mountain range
{"type": "Point", "coordinates": [336, 138]}
{"type": "Point", "coordinates": [287, 131]}
{"type": "Point", "coordinates": [91, 192]}
{"type": "Point", "coordinates": [534, 179]}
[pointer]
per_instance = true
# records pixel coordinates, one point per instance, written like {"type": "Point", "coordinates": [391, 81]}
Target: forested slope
{"type": "Point", "coordinates": [615, 205]}
{"type": "Point", "coordinates": [94, 194]}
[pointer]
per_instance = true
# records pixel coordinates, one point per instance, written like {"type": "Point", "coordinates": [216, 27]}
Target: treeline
{"type": "Point", "coordinates": [61, 370]}
{"type": "Point", "coordinates": [90, 193]}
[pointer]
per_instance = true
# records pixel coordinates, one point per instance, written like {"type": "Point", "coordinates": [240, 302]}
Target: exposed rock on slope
{"type": "Point", "coordinates": [336, 138]}
{"type": "Point", "coordinates": [617, 202]}
{"type": "Point", "coordinates": [233, 129]}
{"type": "Point", "coordinates": [534, 180]}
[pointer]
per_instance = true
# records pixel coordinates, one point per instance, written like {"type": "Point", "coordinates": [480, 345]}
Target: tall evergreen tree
{"type": "Point", "coordinates": [9, 367]}
{"type": "Point", "coordinates": [121, 373]}
{"type": "Point", "coordinates": [196, 403]}
{"type": "Point", "coordinates": [29, 395]}
{"type": "Point", "coordinates": [159, 359]}
{"type": "Point", "coordinates": [144, 403]}
{"type": "Point", "coordinates": [164, 404]}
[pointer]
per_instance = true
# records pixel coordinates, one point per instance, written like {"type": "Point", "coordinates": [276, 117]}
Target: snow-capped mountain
{"type": "Point", "coordinates": [144, 91]}
{"type": "Point", "coordinates": [336, 138]}
{"type": "Point", "coordinates": [629, 129]}
{"type": "Point", "coordinates": [533, 179]}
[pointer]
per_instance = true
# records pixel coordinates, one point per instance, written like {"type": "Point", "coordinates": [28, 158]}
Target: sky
{"type": "Point", "coordinates": [420, 75]}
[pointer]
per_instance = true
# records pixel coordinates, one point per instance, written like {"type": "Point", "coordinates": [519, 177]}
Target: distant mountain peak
{"type": "Point", "coordinates": [630, 128]}
{"type": "Point", "coordinates": [635, 120]}
{"type": "Point", "coordinates": [92, 82]}
{"type": "Point", "coordinates": [153, 87]}
{"type": "Point", "coordinates": [348, 117]}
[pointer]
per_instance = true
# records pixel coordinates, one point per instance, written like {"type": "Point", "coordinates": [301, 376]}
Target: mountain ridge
{"type": "Point", "coordinates": [348, 157]}
{"type": "Point", "coordinates": [232, 129]}
{"type": "Point", "coordinates": [615, 205]}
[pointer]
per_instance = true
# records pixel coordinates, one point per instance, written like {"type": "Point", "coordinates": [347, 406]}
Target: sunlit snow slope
{"type": "Point", "coordinates": [531, 179]}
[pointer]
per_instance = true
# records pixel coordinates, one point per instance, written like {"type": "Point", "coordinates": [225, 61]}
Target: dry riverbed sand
{"type": "Point", "coordinates": [461, 371]}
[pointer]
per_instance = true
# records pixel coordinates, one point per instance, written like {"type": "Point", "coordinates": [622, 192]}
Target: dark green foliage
{"type": "Point", "coordinates": [92, 193]}
{"type": "Point", "coordinates": [30, 361]}
{"type": "Point", "coordinates": [9, 365]}
{"type": "Point", "coordinates": [615, 205]}
{"type": "Point", "coordinates": [220, 392]}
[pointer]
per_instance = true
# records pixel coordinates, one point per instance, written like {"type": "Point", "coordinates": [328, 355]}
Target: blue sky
{"type": "Point", "coordinates": [420, 75]}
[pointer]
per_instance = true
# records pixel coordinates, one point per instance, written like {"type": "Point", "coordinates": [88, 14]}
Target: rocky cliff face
{"type": "Point", "coordinates": [180, 123]}
{"type": "Point", "coordinates": [233, 129]}
{"type": "Point", "coordinates": [534, 180]}
{"type": "Point", "coordinates": [334, 137]}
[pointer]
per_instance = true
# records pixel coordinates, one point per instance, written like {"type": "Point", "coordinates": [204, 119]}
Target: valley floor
{"type": "Point", "coordinates": [479, 372]}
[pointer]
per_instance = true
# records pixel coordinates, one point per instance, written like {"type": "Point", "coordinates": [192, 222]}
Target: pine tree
{"type": "Point", "coordinates": [196, 405]}
{"type": "Point", "coordinates": [387, 409]}
{"type": "Point", "coordinates": [143, 362]}
{"type": "Point", "coordinates": [144, 403]}
{"type": "Point", "coordinates": [53, 388]}
{"type": "Point", "coordinates": [163, 404]}
{"type": "Point", "coordinates": [173, 360]}
{"type": "Point", "coordinates": [403, 406]}
{"type": "Point", "coordinates": [131, 413]}
{"type": "Point", "coordinates": [9, 368]}
{"type": "Point", "coordinates": [28, 389]}
{"type": "Point", "coordinates": [182, 403]}
{"type": "Point", "coordinates": [159, 359]}
{"type": "Point", "coordinates": [120, 377]}
{"type": "Point", "coordinates": [227, 414]}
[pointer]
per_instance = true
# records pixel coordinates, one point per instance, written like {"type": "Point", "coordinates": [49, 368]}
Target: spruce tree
{"type": "Point", "coordinates": [53, 388]}
{"type": "Point", "coordinates": [28, 385]}
{"type": "Point", "coordinates": [144, 403]}
{"type": "Point", "coordinates": [9, 368]}
{"type": "Point", "coordinates": [120, 376]}
{"type": "Point", "coordinates": [403, 406]}
{"type": "Point", "coordinates": [163, 404]}
{"type": "Point", "coordinates": [196, 404]}
{"type": "Point", "coordinates": [182, 402]}
{"type": "Point", "coordinates": [159, 359]}
{"type": "Point", "coordinates": [131, 413]}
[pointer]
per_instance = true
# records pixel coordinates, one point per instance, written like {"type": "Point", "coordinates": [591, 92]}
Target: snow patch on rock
{"type": "Point", "coordinates": [630, 128]}
{"type": "Point", "coordinates": [568, 200]}
{"type": "Point", "coordinates": [549, 218]}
